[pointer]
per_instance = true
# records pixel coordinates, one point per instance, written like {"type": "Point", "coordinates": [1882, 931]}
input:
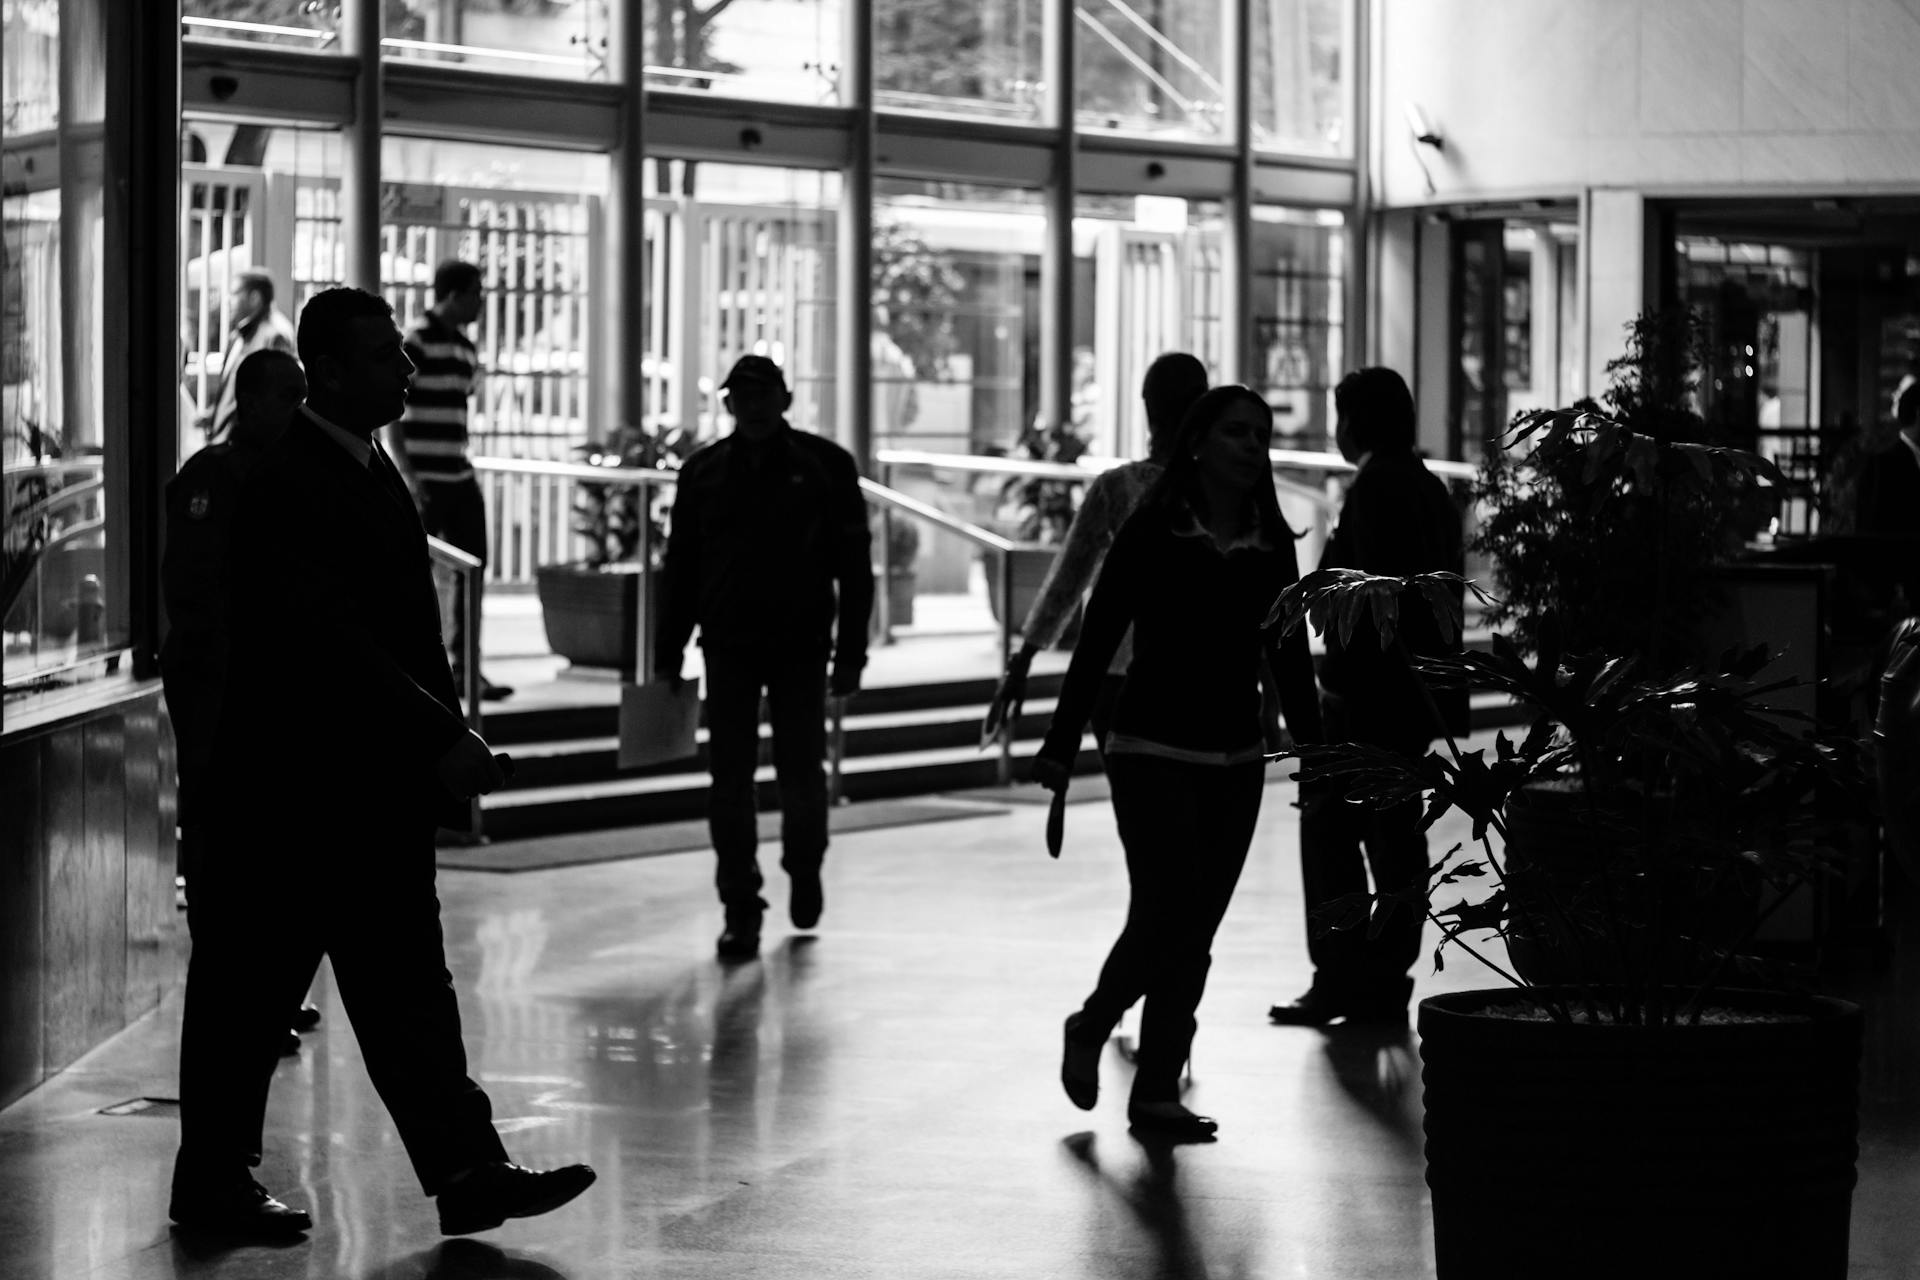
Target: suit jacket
{"type": "Point", "coordinates": [193, 586]}
{"type": "Point", "coordinates": [341, 700]}
{"type": "Point", "coordinates": [1399, 520]}
{"type": "Point", "coordinates": [1890, 506]}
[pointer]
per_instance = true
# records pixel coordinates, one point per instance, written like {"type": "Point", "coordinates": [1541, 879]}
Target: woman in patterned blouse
{"type": "Point", "coordinates": [1172, 383]}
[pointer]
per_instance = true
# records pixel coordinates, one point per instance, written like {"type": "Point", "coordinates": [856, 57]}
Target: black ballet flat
{"type": "Point", "coordinates": [1080, 1066]}
{"type": "Point", "coordinates": [1170, 1122]}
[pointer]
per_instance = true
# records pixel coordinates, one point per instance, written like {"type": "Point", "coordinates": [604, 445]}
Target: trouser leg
{"type": "Point", "coordinates": [251, 937]}
{"type": "Point", "coordinates": [1104, 702]}
{"type": "Point", "coordinates": [1204, 865]}
{"type": "Point", "coordinates": [456, 513]}
{"type": "Point", "coordinates": [1397, 854]}
{"type": "Point", "coordinates": [1149, 813]}
{"type": "Point", "coordinates": [797, 708]}
{"type": "Point", "coordinates": [733, 749]}
{"type": "Point", "coordinates": [389, 962]}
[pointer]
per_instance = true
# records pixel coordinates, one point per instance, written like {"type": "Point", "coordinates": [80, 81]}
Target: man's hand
{"type": "Point", "coordinates": [846, 680]}
{"type": "Point", "coordinates": [468, 768]}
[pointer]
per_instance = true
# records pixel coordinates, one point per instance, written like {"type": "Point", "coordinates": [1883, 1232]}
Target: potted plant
{"type": "Point", "coordinates": [903, 548]}
{"type": "Point", "coordinates": [1648, 1112]}
{"type": "Point", "coordinates": [591, 606]}
{"type": "Point", "coordinates": [1037, 511]}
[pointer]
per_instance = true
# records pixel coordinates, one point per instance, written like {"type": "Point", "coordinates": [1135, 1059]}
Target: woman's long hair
{"type": "Point", "coordinates": [1179, 484]}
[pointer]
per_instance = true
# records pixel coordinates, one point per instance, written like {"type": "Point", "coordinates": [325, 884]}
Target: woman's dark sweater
{"type": "Point", "coordinates": [1196, 615]}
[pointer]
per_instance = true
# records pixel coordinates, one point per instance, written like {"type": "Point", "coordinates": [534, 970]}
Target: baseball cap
{"type": "Point", "coordinates": [755, 369]}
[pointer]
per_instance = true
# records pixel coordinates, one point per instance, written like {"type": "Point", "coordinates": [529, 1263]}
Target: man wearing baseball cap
{"type": "Point", "coordinates": [769, 555]}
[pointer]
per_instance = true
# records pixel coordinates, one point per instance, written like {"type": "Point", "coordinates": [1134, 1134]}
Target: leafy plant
{"type": "Point", "coordinates": [1695, 790]}
{"type": "Point", "coordinates": [608, 514]}
{"type": "Point", "coordinates": [1041, 508]}
{"type": "Point", "coordinates": [1611, 521]}
{"type": "Point", "coordinates": [915, 292]}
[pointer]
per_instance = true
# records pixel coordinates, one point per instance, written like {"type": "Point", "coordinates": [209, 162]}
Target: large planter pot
{"type": "Point", "coordinates": [1553, 854]}
{"type": "Point", "coordinates": [1029, 566]}
{"type": "Point", "coordinates": [1662, 1154]}
{"type": "Point", "coordinates": [592, 615]}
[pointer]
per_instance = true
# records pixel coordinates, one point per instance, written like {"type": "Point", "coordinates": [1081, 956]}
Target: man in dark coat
{"type": "Point", "coordinates": [769, 555]}
{"type": "Point", "coordinates": [1398, 520]}
{"type": "Point", "coordinates": [1889, 503]}
{"type": "Point", "coordinates": [341, 734]}
{"type": "Point", "coordinates": [200, 500]}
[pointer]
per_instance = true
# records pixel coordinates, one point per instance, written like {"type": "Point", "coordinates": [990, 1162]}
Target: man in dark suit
{"type": "Point", "coordinates": [341, 734]}
{"type": "Point", "coordinates": [1889, 504]}
{"type": "Point", "coordinates": [769, 555]}
{"type": "Point", "coordinates": [1397, 520]}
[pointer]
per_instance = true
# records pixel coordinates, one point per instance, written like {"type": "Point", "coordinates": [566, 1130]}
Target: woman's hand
{"type": "Point", "coordinates": [1003, 713]}
{"type": "Point", "coordinates": [1051, 774]}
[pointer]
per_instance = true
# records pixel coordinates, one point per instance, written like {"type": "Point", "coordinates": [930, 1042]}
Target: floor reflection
{"type": "Point", "coordinates": [1379, 1068]}
{"type": "Point", "coordinates": [466, 1260]}
{"type": "Point", "coordinates": [1147, 1186]}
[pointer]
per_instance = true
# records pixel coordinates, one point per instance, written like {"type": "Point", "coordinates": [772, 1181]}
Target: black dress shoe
{"type": "Point", "coordinates": [1170, 1122]}
{"type": "Point", "coordinates": [1080, 1066]}
{"type": "Point", "coordinates": [806, 899]}
{"type": "Point", "coordinates": [1384, 1003]}
{"type": "Point", "coordinates": [738, 943]}
{"type": "Point", "coordinates": [306, 1018]}
{"type": "Point", "coordinates": [491, 692]}
{"type": "Point", "coordinates": [492, 1193]}
{"type": "Point", "coordinates": [241, 1207]}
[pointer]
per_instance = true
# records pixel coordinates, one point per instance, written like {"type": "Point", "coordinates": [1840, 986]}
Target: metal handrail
{"type": "Point", "coordinates": [575, 471]}
{"type": "Point", "coordinates": [1089, 466]}
{"type": "Point", "coordinates": [52, 468]}
{"type": "Point", "coordinates": [469, 567]}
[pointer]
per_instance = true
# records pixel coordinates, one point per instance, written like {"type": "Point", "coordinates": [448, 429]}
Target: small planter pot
{"type": "Point", "coordinates": [592, 615]}
{"type": "Point", "coordinates": [1030, 565]}
{"type": "Point", "coordinates": [1662, 1154]}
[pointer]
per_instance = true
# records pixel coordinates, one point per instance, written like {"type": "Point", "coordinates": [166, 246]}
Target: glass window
{"type": "Point", "coordinates": [288, 24]}
{"type": "Point", "coordinates": [64, 616]}
{"type": "Point", "coordinates": [742, 262]}
{"type": "Point", "coordinates": [539, 38]}
{"type": "Point", "coordinates": [781, 50]}
{"type": "Point", "coordinates": [1303, 76]}
{"type": "Point", "coordinates": [1147, 281]}
{"type": "Point", "coordinates": [956, 329]}
{"type": "Point", "coordinates": [1151, 66]}
{"type": "Point", "coordinates": [1299, 259]}
{"type": "Point", "coordinates": [266, 201]}
{"type": "Point", "coordinates": [982, 58]}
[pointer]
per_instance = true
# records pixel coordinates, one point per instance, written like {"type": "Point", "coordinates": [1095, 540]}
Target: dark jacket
{"type": "Point", "coordinates": [200, 502]}
{"type": "Point", "coordinates": [340, 701]}
{"type": "Point", "coordinates": [1397, 520]}
{"type": "Point", "coordinates": [1198, 642]}
{"type": "Point", "coordinates": [1890, 508]}
{"type": "Point", "coordinates": [764, 537]}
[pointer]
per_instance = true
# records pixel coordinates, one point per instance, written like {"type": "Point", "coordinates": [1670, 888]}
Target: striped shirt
{"type": "Point", "coordinates": [434, 427]}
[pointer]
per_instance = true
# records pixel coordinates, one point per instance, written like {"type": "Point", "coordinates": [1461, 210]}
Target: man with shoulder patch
{"type": "Point", "coordinates": [269, 386]}
{"type": "Point", "coordinates": [769, 555]}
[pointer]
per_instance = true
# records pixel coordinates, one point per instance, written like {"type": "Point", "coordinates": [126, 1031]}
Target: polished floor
{"type": "Point", "coordinates": [878, 1101]}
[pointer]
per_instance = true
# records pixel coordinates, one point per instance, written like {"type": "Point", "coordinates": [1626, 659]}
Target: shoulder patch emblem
{"type": "Point", "coordinates": [199, 505]}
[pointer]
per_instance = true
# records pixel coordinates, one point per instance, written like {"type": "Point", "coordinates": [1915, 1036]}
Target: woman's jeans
{"type": "Point", "coordinates": [1186, 829]}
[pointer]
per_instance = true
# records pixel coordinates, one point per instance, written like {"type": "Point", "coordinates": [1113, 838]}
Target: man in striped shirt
{"type": "Point", "coordinates": [430, 443]}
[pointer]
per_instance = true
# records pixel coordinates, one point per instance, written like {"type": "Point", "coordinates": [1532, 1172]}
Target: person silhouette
{"type": "Point", "coordinates": [1193, 573]}
{"type": "Point", "coordinates": [1398, 520]}
{"type": "Point", "coordinates": [341, 733]}
{"type": "Point", "coordinates": [1171, 385]}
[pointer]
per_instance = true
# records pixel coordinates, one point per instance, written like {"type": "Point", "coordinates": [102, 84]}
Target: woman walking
{"type": "Point", "coordinates": [1194, 573]}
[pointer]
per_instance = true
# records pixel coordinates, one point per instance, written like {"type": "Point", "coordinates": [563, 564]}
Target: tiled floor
{"type": "Point", "coordinates": [879, 1102]}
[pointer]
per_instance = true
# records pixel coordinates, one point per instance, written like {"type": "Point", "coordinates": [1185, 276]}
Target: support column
{"type": "Point", "coordinates": [622, 304]}
{"type": "Point", "coordinates": [853, 370]}
{"type": "Point", "coordinates": [1620, 257]}
{"type": "Point", "coordinates": [1056, 262]}
{"type": "Point", "coordinates": [1236, 260]}
{"type": "Point", "coordinates": [360, 179]}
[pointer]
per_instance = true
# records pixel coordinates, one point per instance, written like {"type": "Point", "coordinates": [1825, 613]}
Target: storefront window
{"type": "Point", "coordinates": [64, 616]}
{"type": "Point", "coordinates": [1303, 76]}
{"type": "Point", "coordinates": [286, 24]}
{"type": "Point", "coordinates": [1299, 260]}
{"type": "Point", "coordinates": [956, 335]}
{"type": "Point", "coordinates": [570, 40]}
{"type": "Point", "coordinates": [1151, 67]}
{"type": "Point", "coordinates": [780, 50]}
{"type": "Point", "coordinates": [1147, 280]}
{"type": "Point", "coordinates": [974, 59]}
